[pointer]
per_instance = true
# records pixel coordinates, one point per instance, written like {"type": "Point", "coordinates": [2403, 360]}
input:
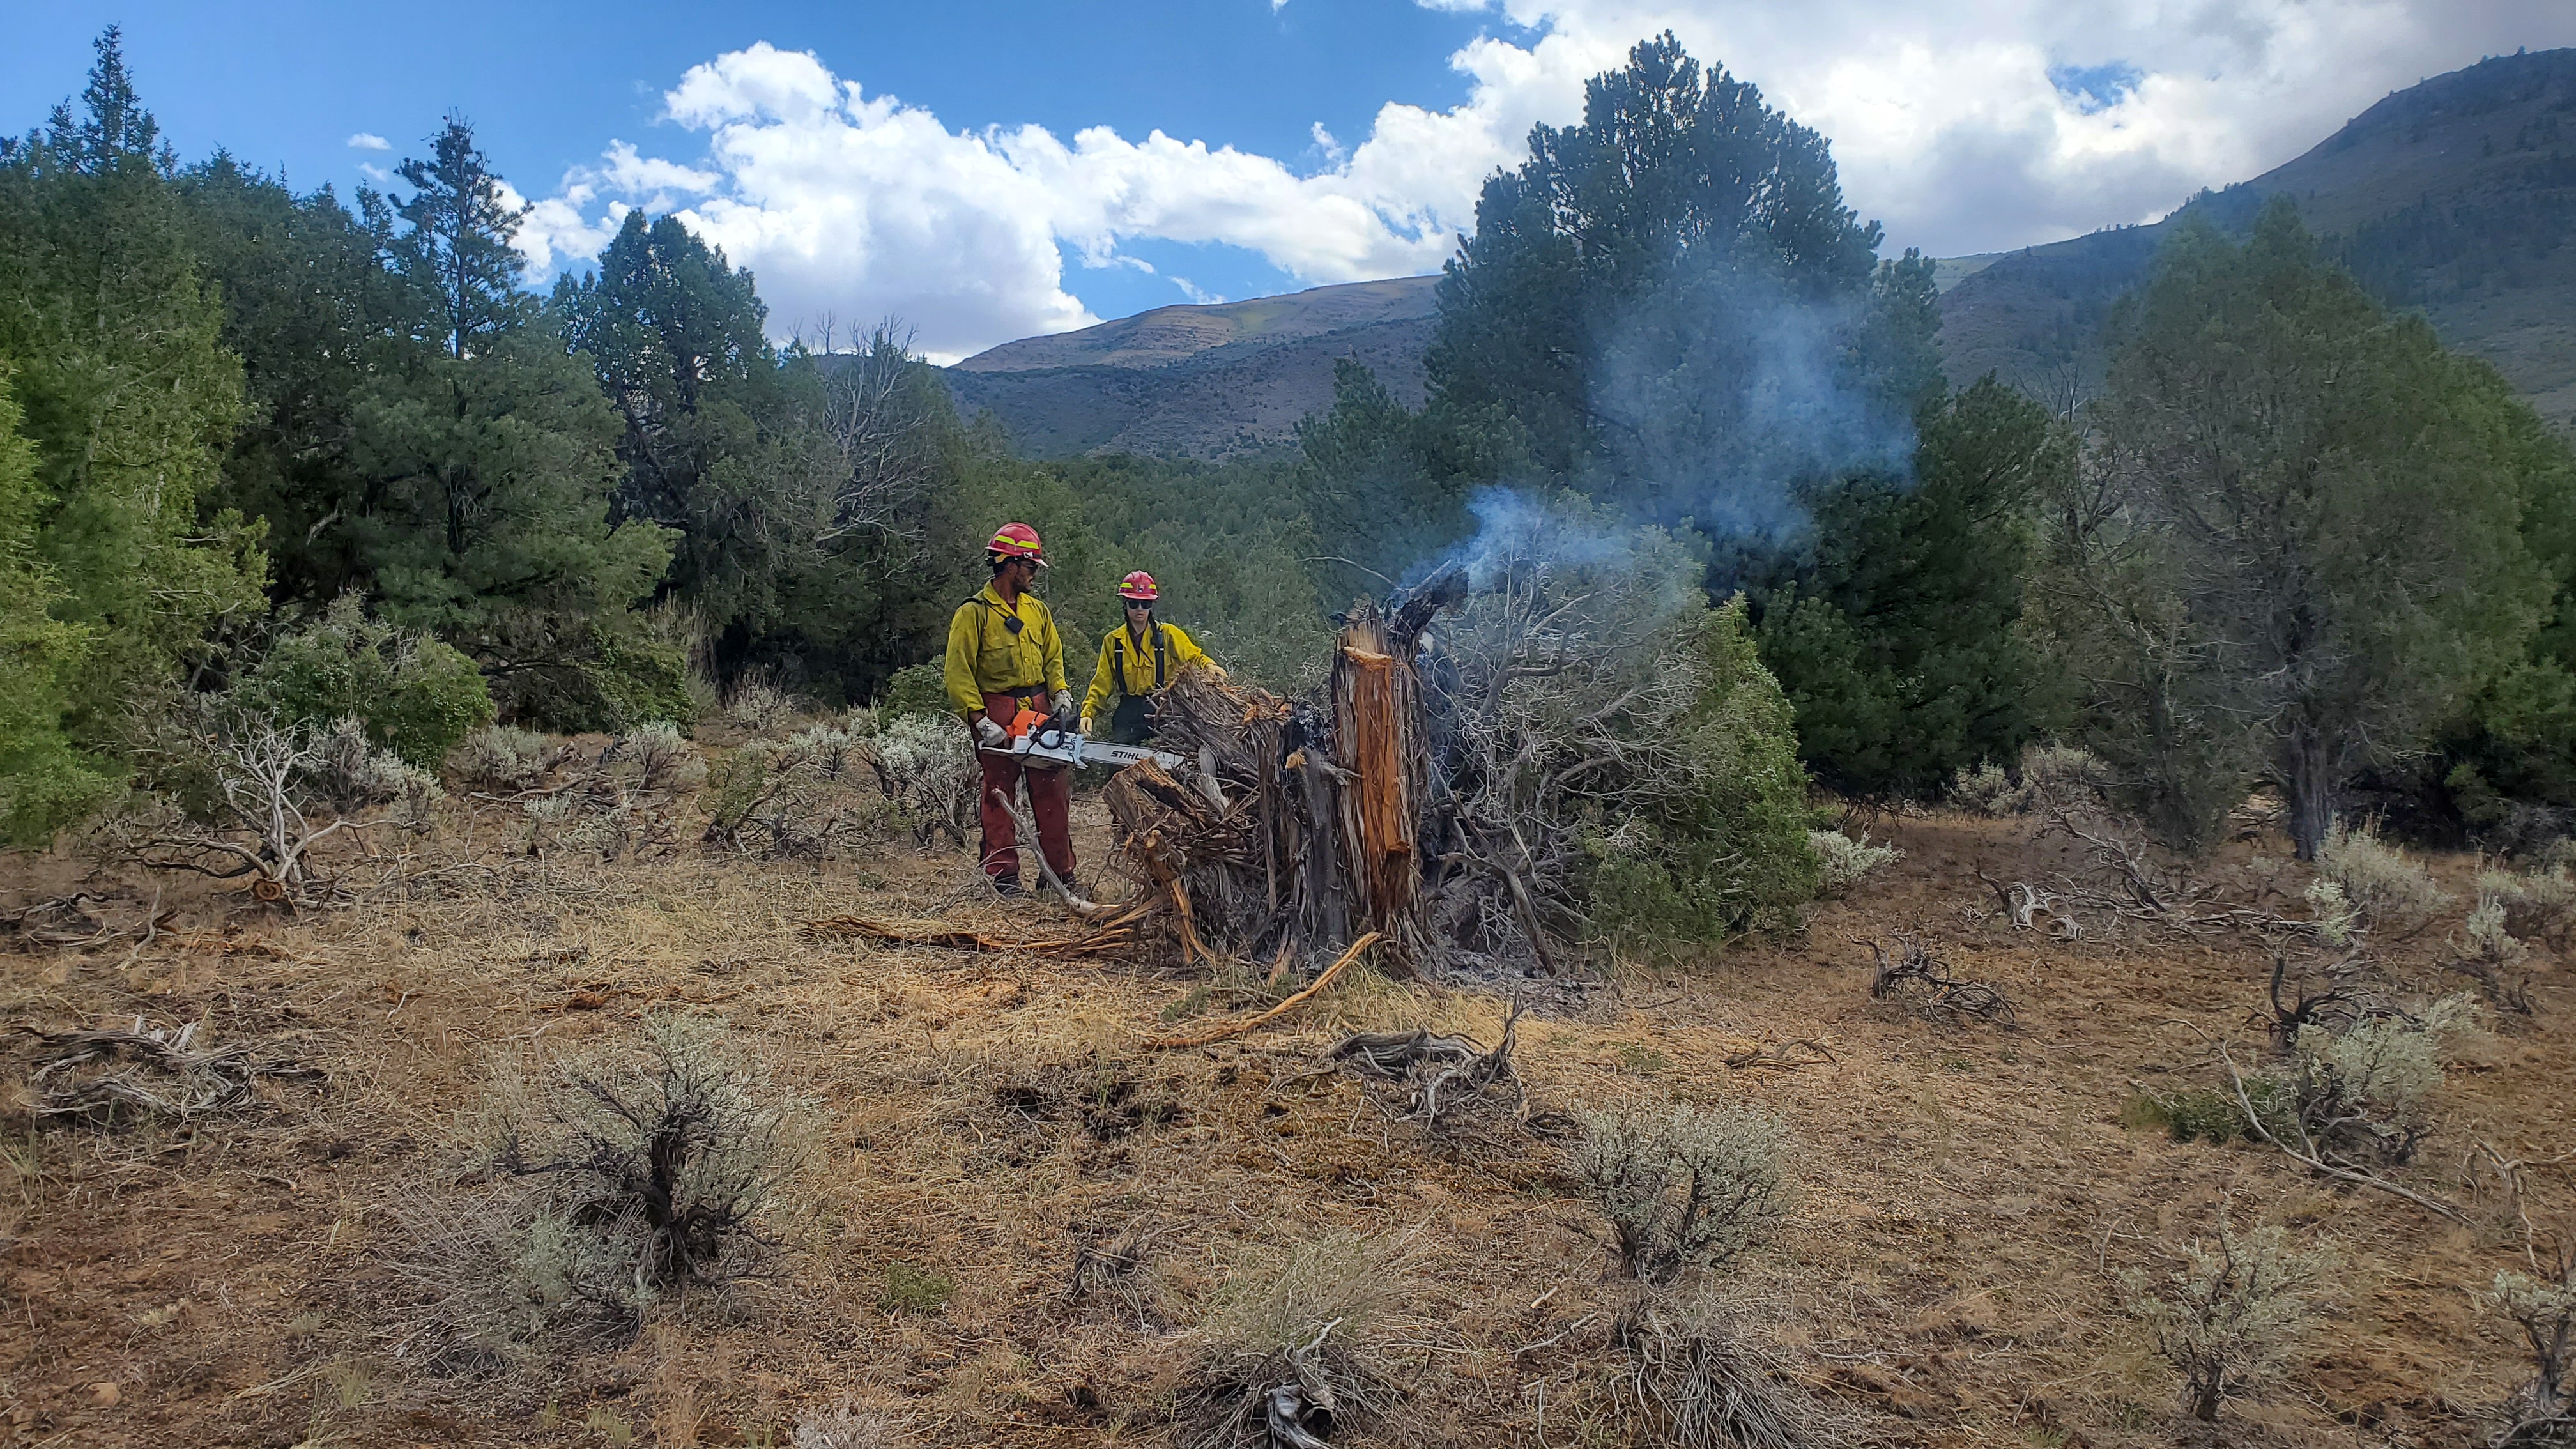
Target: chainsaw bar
{"type": "Point", "coordinates": [1051, 749]}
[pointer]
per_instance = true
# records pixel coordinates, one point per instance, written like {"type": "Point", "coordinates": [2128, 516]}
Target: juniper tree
{"type": "Point", "coordinates": [128, 399]}
{"type": "Point", "coordinates": [2299, 537]}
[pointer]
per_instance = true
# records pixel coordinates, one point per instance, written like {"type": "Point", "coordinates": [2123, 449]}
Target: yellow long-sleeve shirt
{"type": "Point", "coordinates": [986, 655]}
{"type": "Point", "coordinates": [1127, 667]}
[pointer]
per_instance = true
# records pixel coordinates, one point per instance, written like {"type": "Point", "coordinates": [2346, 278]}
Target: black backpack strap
{"type": "Point", "coordinates": [1162, 650]}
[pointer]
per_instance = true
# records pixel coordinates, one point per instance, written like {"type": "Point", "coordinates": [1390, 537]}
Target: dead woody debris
{"type": "Point", "coordinates": [113, 1075]}
{"type": "Point", "coordinates": [1238, 1028]}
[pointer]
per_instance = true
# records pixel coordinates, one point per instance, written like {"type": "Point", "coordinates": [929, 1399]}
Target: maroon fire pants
{"type": "Point", "coordinates": [1050, 800]}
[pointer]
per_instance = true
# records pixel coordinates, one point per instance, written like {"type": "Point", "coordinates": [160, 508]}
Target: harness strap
{"type": "Point", "coordinates": [1118, 642]}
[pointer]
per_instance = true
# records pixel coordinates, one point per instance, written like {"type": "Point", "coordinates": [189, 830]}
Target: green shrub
{"type": "Point", "coordinates": [415, 696]}
{"type": "Point", "coordinates": [636, 678]}
{"type": "Point", "coordinates": [909, 1289]}
{"type": "Point", "coordinates": [1732, 850]}
{"type": "Point", "coordinates": [916, 689]}
{"type": "Point", "coordinates": [2213, 1113]}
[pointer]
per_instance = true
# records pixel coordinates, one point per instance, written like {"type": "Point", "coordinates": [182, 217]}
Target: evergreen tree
{"type": "Point", "coordinates": [487, 520]}
{"type": "Point", "coordinates": [44, 780]}
{"type": "Point", "coordinates": [723, 440]}
{"type": "Point", "coordinates": [2302, 541]}
{"type": "Point", "coordinates": [1898, 639]}
{"type": "Point", "coordinates": [129, 399]}
{"type": "Point", "coordinates": [1388, 487]}
{"type": "Point", "coordinates": [1670, 297]}
{"type": "Point", "coordinates": [487, 457]}
{"type": "Point", "coordinates": [458, 250]}
{"type": "Point", "coordinates": [312, 311]}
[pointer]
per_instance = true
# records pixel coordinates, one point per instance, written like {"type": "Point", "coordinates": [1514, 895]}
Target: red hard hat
{"type": "Point", "coordinates": [1139, 586]}
{"type": "Point", "coordinates": [1017, 540]}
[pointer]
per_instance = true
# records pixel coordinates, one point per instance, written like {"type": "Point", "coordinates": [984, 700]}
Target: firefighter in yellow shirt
{"type": "Point", "coordinates": [1136, 659]}
{"type": "Point", "coordinates": [1004, 655]}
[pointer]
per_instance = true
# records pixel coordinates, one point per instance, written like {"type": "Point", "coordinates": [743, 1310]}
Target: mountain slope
{"type": "Point", "coordinates": [1203, 382]}
{"type": "Point", "coordinates": [2457, 196]}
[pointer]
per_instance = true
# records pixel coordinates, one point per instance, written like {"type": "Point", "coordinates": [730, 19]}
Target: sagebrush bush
{"type": "Point", "coordinates": [1683, 1185]}
{"type": "Point", "coordinates": [846, 1427]}
{"type": "Point", "coordinates": [2236, 1313]}
{"type": "Point", "coordinates": [656, 758]}
{"type": "Point", "coordinates": [2331, 913]}
{"type": "Point", "coordinates": [2539, 904]}
{"type": "Point", "coordinates": [1848, 862]}
{"type": "Point", "coordinates": [929, 763]}
{"type": "Point", "coordinates": [803, 798]}
{"type": "Point", "coordinates": [2389, 893]}
{"type": "Point", "coordinates": [2063, 777]}
{"type": "Point", "coordinates": [2543, 1309]}
{"type": "Point", "coordinates": [760, 706]}
{"type": "Point", "coordinates": [1706, 1379]}
{"type": "Point", "coordinates": [2368, 1088]}
{"type": "Point", "coordinates": [612, 1175]}
{"type": "Point", "coordinates": [503, 758]}
{"type": "Point", "coordinates": [1985, 789]}
{"type": "Point", "coordinates": [349, 773]}
{"type": "Point", "coordinates": [673, 1150]}
{"type": "Point", "coordinates": [2050, 777]}
{"type": "Point", "coordinates": [1309, 1313]}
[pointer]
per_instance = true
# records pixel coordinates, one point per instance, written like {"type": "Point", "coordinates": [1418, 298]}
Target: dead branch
{"type": "Point", "coordinates": [1913, 972]}
{"type": "Point", "coordinates": [1028, 827]}
{"type": "Point", "coordinates": [1111, 935]}
{"type": "Point", "coordinates": [2306, 1153]}
{"type": "Point", "coordinates": [1273, 1014]}
{"type": "Point", "coordinates": [1420, 1078]}
{"type": "Point", "coordinates": [1782, 1058]}
{"type": "Point", "coordinates": [165, 1074]}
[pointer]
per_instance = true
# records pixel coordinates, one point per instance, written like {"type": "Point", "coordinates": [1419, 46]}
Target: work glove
{"type": "Point", "coordinates": [990, 735]}
{"type": "Point", "coordinates": [1086, 727]}
{"type": "Point", "coordinates": [1064, 708]}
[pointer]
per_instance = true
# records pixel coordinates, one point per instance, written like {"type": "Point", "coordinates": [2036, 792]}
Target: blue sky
{"type": "Point", "coordinates": [997, 170]}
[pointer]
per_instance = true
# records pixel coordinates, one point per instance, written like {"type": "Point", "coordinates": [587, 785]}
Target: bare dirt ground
{"type": "Point", "coordinates": [1969, 1193]}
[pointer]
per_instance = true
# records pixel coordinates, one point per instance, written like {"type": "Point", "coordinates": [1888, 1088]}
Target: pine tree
{"type": "Point", "coordinates": [487, 457]}
{"type": "Point", "coordinates": [1898, 638]}
{"type": "Point", "coordinates": [1639, 288]}
{"type": "Point", "coordinates": [458, 250]}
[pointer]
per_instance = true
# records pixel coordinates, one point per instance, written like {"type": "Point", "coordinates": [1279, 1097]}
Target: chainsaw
{"type": "Point", "coordinates": [1035, 740]}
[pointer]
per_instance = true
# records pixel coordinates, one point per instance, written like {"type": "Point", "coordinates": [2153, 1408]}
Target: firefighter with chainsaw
{"type": "Point", "coordinates": [1004, 670]}
{"type": "Point", "coordinates": [1137, 659]}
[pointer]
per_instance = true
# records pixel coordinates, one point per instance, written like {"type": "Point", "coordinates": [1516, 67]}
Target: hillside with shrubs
{"type": "Point", "coordinates": [1916, 915]}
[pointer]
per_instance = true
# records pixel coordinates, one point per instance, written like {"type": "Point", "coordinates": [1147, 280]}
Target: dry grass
{"type": "Point", "coordinates": [1950, 1278]}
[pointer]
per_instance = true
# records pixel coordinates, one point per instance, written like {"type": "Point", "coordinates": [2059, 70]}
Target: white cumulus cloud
{"type": "Point", "coordinates": [857, 207]}
{"type": "Point", "coordinates": [1976, 126]}
{"type": "Point", "coordinates": [369, 141]}
{"type": "Point", "coordinates": [1948, 125]}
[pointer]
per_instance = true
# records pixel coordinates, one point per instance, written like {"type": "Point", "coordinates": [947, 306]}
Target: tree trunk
{"type": "Point", "coordinates": [2308, 779]}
